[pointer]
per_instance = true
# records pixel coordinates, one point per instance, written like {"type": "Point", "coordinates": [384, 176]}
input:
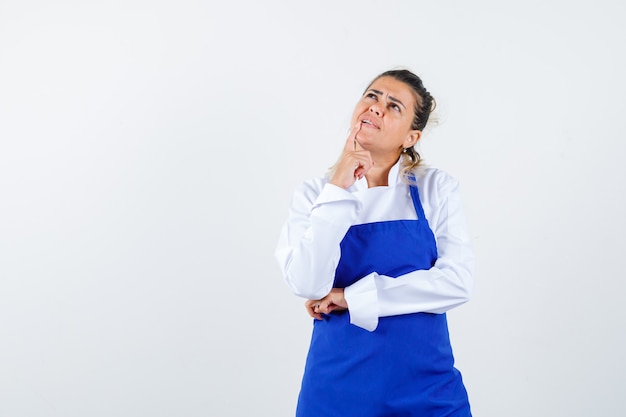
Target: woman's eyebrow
{"type": "Point", "coordinates": [395, 100]}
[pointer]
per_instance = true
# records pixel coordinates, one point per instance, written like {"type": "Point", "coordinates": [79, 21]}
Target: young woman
{"type": "Point", "coordinates": [380, 248]}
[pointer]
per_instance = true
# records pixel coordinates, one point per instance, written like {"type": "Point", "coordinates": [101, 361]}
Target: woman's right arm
{"type": "Point", "coordinates": [308, 249]}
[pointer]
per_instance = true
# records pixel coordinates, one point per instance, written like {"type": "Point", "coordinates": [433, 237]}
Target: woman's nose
{"type": "Point", "coordinates": [376, 110]}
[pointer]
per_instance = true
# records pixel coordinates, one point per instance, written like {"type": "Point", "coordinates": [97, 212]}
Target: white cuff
{"type": "Point", "coordinates": [362, 299]}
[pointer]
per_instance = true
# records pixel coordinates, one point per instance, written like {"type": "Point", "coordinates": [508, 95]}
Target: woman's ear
{"type": "Point", "coordinates": [412, 138]}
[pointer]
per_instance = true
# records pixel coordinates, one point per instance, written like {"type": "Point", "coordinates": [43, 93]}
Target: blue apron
{"type": "Point", "coordinates": [403, 368]}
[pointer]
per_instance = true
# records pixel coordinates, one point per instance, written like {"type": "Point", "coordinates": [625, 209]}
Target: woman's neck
{"type": "Point", "coordinates": [378, 175]}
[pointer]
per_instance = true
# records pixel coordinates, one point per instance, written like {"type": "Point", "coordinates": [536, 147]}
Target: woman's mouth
{"type": "Point", "coordinates": [369, 124]}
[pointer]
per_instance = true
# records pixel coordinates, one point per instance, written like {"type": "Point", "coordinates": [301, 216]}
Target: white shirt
{"type": "Point", "coordinates": [320, 215]}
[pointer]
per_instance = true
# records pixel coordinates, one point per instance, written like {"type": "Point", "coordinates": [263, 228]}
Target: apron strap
{"type": "Point", "coordinates": [416, 199]}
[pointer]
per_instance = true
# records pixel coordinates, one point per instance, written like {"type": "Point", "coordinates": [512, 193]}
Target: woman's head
{"type": "Point", "coordinates": [391, 115]}
{"type": "Point", "coordinates": [424, 102]}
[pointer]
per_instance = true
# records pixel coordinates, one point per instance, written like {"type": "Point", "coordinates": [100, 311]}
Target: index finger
{"type": "Point", "coordinates": [351, 140]}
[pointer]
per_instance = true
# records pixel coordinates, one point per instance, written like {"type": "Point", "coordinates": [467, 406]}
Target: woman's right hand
{"type": "Point", "coordinates": [354, 162]}
{"type": "Point", "coordinates": [335, 300]}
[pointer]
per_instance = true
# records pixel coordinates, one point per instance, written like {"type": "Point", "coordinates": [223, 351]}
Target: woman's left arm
{"type": "Point", "coordinates": [448, 284]}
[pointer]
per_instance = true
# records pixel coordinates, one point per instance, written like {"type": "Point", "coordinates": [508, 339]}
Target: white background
{"type": "Point", "coordinates": [149, 149]}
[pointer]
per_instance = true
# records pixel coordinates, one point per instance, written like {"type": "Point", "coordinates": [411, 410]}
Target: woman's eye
{"type": "Point", "coordinates": [395, 107]}
{"type": "Point", "coordinates": [371, 95]}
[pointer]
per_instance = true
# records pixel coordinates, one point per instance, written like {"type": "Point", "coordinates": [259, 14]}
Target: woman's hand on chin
{"type": "Point", "coordinates": [354, 163]}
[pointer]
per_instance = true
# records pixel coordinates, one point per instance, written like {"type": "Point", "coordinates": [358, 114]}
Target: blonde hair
{"type": "Point", "coordinates": [411, 160]}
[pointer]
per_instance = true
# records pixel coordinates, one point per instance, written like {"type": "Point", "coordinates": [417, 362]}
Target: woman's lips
{"type": "Point", "coordinates": [368, 124]}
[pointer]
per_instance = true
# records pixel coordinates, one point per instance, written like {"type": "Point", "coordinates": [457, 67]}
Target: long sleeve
{"type": "Point", "coordinates": [447, 284]}
{"type": "Point", "coordinates": [308, 249]}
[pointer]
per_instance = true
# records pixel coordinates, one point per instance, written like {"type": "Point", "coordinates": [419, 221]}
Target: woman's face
{"type": "Point", "coordinates": [385, 114]}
